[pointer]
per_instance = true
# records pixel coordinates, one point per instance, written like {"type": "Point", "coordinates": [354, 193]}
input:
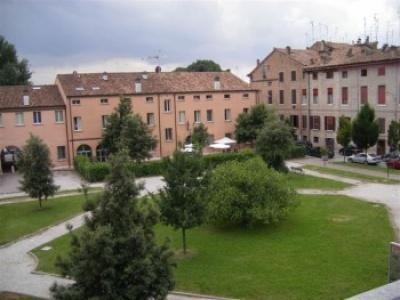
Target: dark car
{"type": "Point", "coordinates": [393, 163]}
{"type": "Point", "coordinates": [391, 156]}
{"type": "Point", "coordinates": [349, 151]}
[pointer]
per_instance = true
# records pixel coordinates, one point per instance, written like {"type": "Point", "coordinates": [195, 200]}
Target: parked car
{"type": "Point", "coordinates": [316, 151]}
{"type": "Point", "coordinates": [393, 163]}
{"type": "Point", "coordinates": [391, 156]}
{"type": "Point", "coordinates": [350, 150]}
{"type": "Point", "coordinates": [364, 158]}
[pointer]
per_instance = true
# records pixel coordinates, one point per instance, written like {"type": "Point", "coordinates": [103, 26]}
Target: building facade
{"type": "Point", "coordinates": [313, 87]}
{"type": "Point", "coordinates": [170, 103]}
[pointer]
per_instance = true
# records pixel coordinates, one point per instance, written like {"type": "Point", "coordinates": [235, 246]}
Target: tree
{"type": "Point", "coordinates": [126, 129]}
{"type": "Point", "coordinates": [200, 136]}
{"type": "Point", "coordinates": [365, 129]}
{"type": "Point", "coordinates": [248, 193]}
{"type": "Point", "coordinates": [201, 65]}
{"type": "Point", "coordinates": [343, 136]}
{"type": "Point", "coordinates": [182, 200]}
{"type": "Point", "coordinates": [394, 135]}
{"type": "Point", "coordinates": [249, 124]}
{"type": "Point", "coordinates": [274, 143]}
{"type": "Point", "coordinates": [35, 165]}
{"type": "Point", "coordinates": [116, 255]}
{"type": "Point", "coordinates": [12, 70]}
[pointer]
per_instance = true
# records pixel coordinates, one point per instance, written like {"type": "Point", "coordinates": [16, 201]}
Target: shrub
{"type": "Point", "coordinates": [248, 193]}
{"type": "Point", "coordinates": [297, 151]}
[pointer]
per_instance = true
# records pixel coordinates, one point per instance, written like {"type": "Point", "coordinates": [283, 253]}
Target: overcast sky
{"type": "Point", "coordinates": [59, 36]}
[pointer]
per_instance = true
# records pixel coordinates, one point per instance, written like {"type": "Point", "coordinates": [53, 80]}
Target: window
{"type": "Point", "coordinates": [167, 105]}
{"type": "Point", "coordinates": [245, 96]}
{"type": "Point", "coordinates": [381, 125]}
{"type": "Point", "coordinates": [76, 102]}
{"type": "Point", "coordinates": [101, 153]}
{"type": "Point", "coordinates": [364, 72]}
{"type": "Point", "coordinates": [281, 77]}
{"type": "Point", "coordinates": [281, 97]}
{"type": "Point", "coordinates": [84, 150]}
{"type": "Point", "coordinates": [315, 76]}
{"type": "Point", "coordinates": [293, 75]}
{"type": "Point", "coordinates": [381, 71]}
{"type": "Point", "coordinates": [329, 75]}
{"type": "Point", "coordinates": [181, 117]}
{"type": "Point", "coordinates": [315, 122]}
{"type": "Point", "coordinates": [150, 119]}
{"type": "Point", "coordinates": [1, 120]}
{"type": "Point", "coordinates": [330, 95]}
{"type": "Point", "coordinates": [61, 152]}
{"type": "Point", "coordinates": [149, 100]}
{"type": "Point", "coordinates": [316, 139]}
{"type": "Point", "coordinates": [197, 116]}
{"type": "Point", "coordinates": [227, 96]}
{"type": "Point", "coordinates": [59, 114]}
{"type": "Point", "coordinates": [294, 100]}
{"type": "Point", "coordinates": [19, 118]}
{"type": "Point", "coordinates": [344, 74]}
{"type": "Point", "coordinates": [168, 134]}
{"type": "Point", "coordinates": [77, 123]}
{"type": "Point", "coordinates": [269, 97]}
{"type": "Point", "coordinates": [304, 96]}
{"type": "Point", "coordinates": [181, 98]}
{"type": "Point", "coordinates": [245, 110]}
{"type": "Point", "coordinates": [364, 95]}
{"type": "Point", "coordinates": [37, 117]}
{"type": "Point", "coordinates": [196, 97]}
{"type": "Point", "coordinates": [304, 122]}
{"type": "Point", "coordinates": [294, 121]}
{"type": "Point", "coordinates": [345, 95]}
{"type": "Point", "coordinates": [330, 123]}
{"type": "Point", "coordinates": [209, 97]}
{"type": "Point", "coordinates": [227, 114]}
{"type": "Point", "coordinates": [138, 86]}
{"type": "Point", "coordinates": [210, 115]}
{"type": "Point", "coordinates": [103, 101]}
{"type": "Point", "coordinates": [104, 121]}
{"type": "Point", "coordinates": [315, 96]}
{"type": "Point", "coordinates": [210, 139]}
{"type": "Point", "coordinates": [381, 95]}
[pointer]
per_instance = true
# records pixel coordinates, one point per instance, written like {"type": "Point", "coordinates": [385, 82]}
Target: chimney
{"type": "Point", "coordinates": [104, 76]}
{"type": "Point", "coordinates": [75, 73]}
{"type": "Point", "coordinates": [217, 83]}
{"type": "Point", "coordinates": [138, 85]}
{"type": "Point", "coordinates": [288, 50]}
{"type": "Point", "coordinates": [25, 98]}
{"type": "Point", "coordinates": [258, 61]}
{"type": "Point", "coordinates": [158, 69]}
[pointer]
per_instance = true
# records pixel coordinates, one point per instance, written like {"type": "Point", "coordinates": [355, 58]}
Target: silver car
{"type": "Point", "coordinates": [364, 158]}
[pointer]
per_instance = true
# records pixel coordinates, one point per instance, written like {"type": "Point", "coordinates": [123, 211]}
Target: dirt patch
{"type": "Point", "coordinates": [341, 218]}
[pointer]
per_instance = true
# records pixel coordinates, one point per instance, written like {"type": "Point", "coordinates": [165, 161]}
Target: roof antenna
{"type": "Point", "coordinates": [312, 32]}
{"type": "Point", "coordinates": [376, 23]}
{"type": "Point", "coordinates": [365, 28]}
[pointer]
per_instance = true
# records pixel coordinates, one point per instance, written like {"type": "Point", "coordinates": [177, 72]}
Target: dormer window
{"type": "Point", "coordinates": [138, 86]}
{"type": "Point", "coordinates": [79, 88]}
{"type": "Point", "coordinates": [25, 100]}
{"type": "Point", "coordinates": [104, 76]}
{"type": "Point", "coordinates": [217, 83]}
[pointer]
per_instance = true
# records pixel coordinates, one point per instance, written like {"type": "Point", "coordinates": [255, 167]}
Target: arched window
{"type": "Point", "coordinates": [101, 153]}
{"type": "Point", "coordinates": [84, 150]}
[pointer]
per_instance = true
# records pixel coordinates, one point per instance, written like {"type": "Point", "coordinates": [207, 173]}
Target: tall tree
{"type": "Point", "coordinates": [124, 129]}
{"type": "Point", "coordinates": [343, 136]}
{"type": "Point", "coordinates": [274, 143]}
{"type": "Point", "coordinates": [35, 165]}
{"type": "Point", "coordinates": [365, 129]}
{"type": "Point", "coordinates": [394, 135]}
{"type": "Point", "coordinates": [200, 136]}
{"type": "Point", "coordinates": [12, 70]}
{"type": "Point", "coordinates": [116, 255]}
{"type": "Point", "coordinates": [249, 124]}
{"type": "Point", "coordinates": [201, 65]}
{"type": "Point", "coordinates": [182, 199]}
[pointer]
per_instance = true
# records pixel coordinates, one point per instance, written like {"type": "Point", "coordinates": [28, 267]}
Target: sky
{"type": "Point", "coordinates": [60, 36]}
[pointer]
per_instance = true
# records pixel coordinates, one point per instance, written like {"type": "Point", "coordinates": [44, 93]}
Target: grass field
{"type": "Point", "coordinates": [300, 181]}
{"type": "Point", "coordinates": [330, 247]}
{"type": "Point", "coordinates": [381, 168]}
{"type": "Point", "coordinates": [349, 174]}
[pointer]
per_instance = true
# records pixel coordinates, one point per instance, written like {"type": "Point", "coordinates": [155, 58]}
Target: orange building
{"type": "Point", "coordinates": [171, 103]}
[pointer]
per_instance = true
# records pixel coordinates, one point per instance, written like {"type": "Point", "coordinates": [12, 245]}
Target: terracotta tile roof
{"type": "Point", "coordinates": [11, 97]}
{"type": "Point", "coordinates": [92, 84]}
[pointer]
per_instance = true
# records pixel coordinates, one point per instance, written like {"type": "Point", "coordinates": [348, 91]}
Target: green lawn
{"type": "Point", "coordinates": [349, 174]}
{"type": "Point", "coordinates": [20, 219]}
{"type": "Point", "coordinates": [12, 296]}
{"type": "Point", "coordinates": [378, 168]}
{"type": "Point", "coordinates": [330, 247]}
{"type": "Point", "coordinates": [300, 181]}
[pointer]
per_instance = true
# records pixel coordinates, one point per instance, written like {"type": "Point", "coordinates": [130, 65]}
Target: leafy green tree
{"type": "Point", "coordinates": [365, 129]}
{"type": "Point", "coordinates": [201, 65]}
{"type": "Point", "coordinates": [200, 136]}
{"type": "Point", "coordinates": [394, 135]}
{"type": "Point", "coordinates": [343, 136]}
{"type": "Point", "coordinates": [249, 124]}
{"type": "Point", "coordinates": [248, 193]}
{"type": "Point", "coordinates": [116, 255]}
{"type": "Point", "coordinates": [274, 143]}
{"type": "Point", "coordinates": [182, 200]}
{"type": "Point", "coordinates": [124, 129]}
{"type": "Point", "coordinates": [35, 165]}
{"type": "Point", "coordinates": [12, 70]}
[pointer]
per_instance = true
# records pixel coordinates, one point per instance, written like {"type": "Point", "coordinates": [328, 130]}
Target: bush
{"type": "Point", "coordinates": [297, 151]}
{"type": "Point", "coordinates": [212, 160]}
{"type": "Point", "coordinates": [248, 193]}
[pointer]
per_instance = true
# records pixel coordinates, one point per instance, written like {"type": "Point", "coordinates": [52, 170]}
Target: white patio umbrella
{"type": "Point", "coordinates": [219, 146]}
{"type": "Point", "coordinates": [225, 140]}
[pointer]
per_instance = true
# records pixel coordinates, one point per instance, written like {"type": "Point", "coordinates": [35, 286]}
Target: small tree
{"type": "Point", "coordinates": [201, 65]}
{"type": "Point", "coordinates": [182, 200]}
{"type": "Point", "coordinates": [116, 255]}
{"type": "Point", "coordinates": [394, 135]}
{"type": "Point", "coordinates": [274, 143]}
{"type": "Point", "coordinates": [248, 193]}
{"type": "Point", "coordinates": [343, 136]}
{"type": "Point", "coordinates": [249, 124]}
{"type": "Point", "coordinates": [124, 129]}
{"type": "Point", "coordinates": [35, 165]}
{"type": "Point", "coordinates": [200, 136]}
{"type": "Point", "coordinates": [365, 129]}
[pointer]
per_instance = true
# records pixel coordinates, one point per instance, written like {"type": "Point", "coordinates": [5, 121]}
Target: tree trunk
{"type": "Point", "coordinates": [184, 240]}
{"type": "Point", "coordinates": [40, 201]}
